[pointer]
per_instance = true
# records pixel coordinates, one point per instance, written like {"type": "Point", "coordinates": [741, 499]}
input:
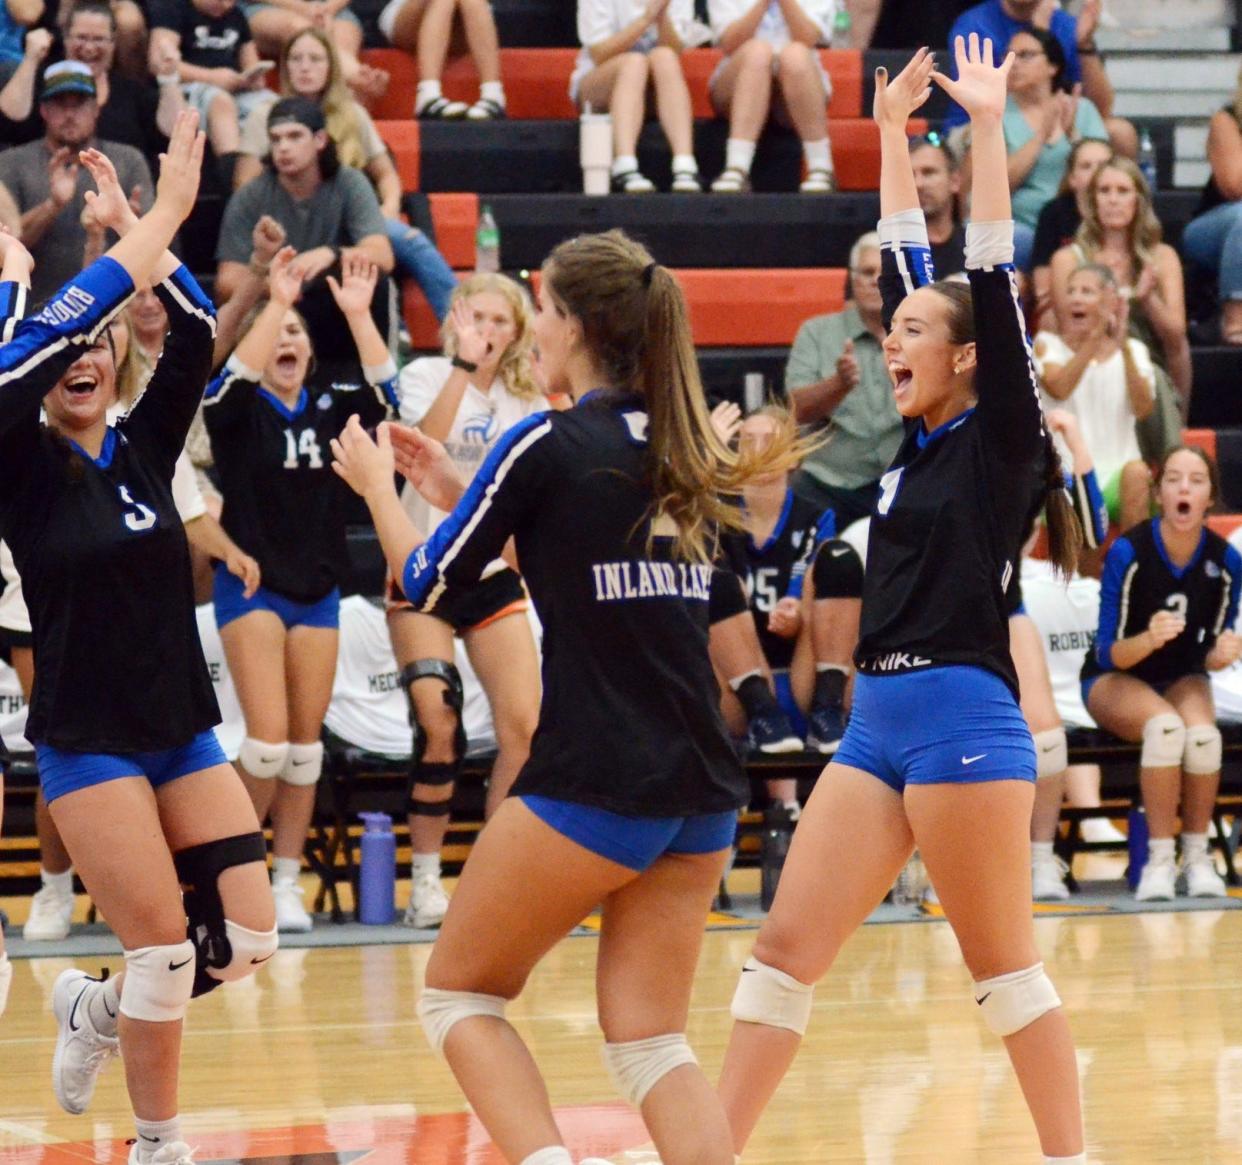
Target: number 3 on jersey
{"type": "Point", "coordinates": [137, 516]}
{"type": "Point", "coordinates": [304, 445]}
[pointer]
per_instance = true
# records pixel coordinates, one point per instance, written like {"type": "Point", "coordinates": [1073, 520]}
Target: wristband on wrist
{"type": "Point", "coordinates": [464, 365]}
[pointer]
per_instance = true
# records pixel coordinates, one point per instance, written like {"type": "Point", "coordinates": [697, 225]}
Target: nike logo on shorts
{"type": "Point", "coordinates": [177, 966]}
{"type": "Point", "coordinates": [970, 760]}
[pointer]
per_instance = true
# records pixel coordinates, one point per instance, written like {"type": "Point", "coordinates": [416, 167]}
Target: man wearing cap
{"type": "Point", "coordinates": [47, 183]}
{"type": "Point", "coordinates": [326, 210]}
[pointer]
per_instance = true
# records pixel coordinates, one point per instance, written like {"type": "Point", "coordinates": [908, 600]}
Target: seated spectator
{"type": "Point", "coordinates": [434, 30]}
{"type": "Point", "coordinates": [1164, 624]}
{"type": "Point", "coordinates": [1120, 231]}
{"type": "Point", "coordinates": [770, 63]}
{"type": "Point", "coordinates": [208, 46]}
{"type": "Point", "coordinates": [1042, 120]}
{"type": "Point", "coordinates": [1213, 239]}
{"type": "Point", "coordinates": [1104, 378]}
{"type": "Point", "coordinates": [1060, 219]}
{"type": "Point", "coordinates": [837, 377]}
{"type": "Point", "coordinates": [47, 184]}
{"type": "Point", "coordinates": [999, 20]}
{"type": "Point", "coordinates": [17, 96]}
{"type": "Point", "coordinates": [328, 212]}
{"type": "Point", "coordinates": [898, 24]}
{"type": "Point", "coordinates": [629, 50]}
{"type": "Point", "coordinates": [309, 68]}
{"type": "Point", "coordinates": [939, 183]}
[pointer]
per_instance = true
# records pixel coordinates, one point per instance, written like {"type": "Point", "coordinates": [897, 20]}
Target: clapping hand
{"type": "Point", "coordinates": [848, 372]}
{"type": "Point", "coordinates": [62, 176]}
{"type": "Point", "coordinates": [366, 465]}
{"type": "Point", "coordinates": [426, 465]}
{"type": "Point", "coordinates": [108, 206]}
{"type": "Point", "coordinates": [472, 345]}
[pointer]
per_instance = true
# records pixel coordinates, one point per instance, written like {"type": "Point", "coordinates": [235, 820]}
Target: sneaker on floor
{"type": "Point", "coordinates": [686, 182]}
{"type": "Point", "coordinates": [632, 182]}
{"type": "Point", "coordinates": [1158, 881]}
{"type": "Point", "coordinates": [772, 734]}
{"type": "Point", "coordinates": [291, 915]}
{"type": "Point", "coordinates": [174, 1153]}
{"type": "Point", "coordinates": [441, 109]}
{"type": "Point", "coordinates": [732, 181]}
{"type": "Point", "coordinates": [1048, 879]}
{"type": "Point", "coordinates": [428, 902]}
{"type": "Point", "coordinates": [81, 1052]}
{"type": "Point", "coordinates": [51, 913]}
{"type": "Point", "coordinates": [825, 727]}
{"type": "Point", "coordinates": [1100, 829]}
{"type": "Point", "coordinates": [819, 182]}
{"type": "Point", "coordinates": [1202, 880]}
{"type": "Point", "coordinates": [485, 109]}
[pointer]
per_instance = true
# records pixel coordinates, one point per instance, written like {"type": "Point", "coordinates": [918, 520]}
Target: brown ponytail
{"type": "Point", "coordinates": [1065, 535]}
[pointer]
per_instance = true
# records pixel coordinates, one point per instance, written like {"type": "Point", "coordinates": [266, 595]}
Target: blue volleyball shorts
{"type": "Point", "coordinates": [945, 725]}
{"type": "Point", "coordinates": [62, 771]}
{"type": "Point", "coordinates": [229, 599]}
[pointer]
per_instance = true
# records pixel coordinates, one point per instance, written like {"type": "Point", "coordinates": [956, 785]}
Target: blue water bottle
{"type": "Point", "coordinates": [377, 871]}
{"type": "Point", "coordinates": [1137, 842]}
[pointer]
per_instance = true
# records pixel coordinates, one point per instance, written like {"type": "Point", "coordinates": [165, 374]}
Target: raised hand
{"type": "Point", "coordinates": [353, 294]}
{"type": "Point", "coordinates": [847, 367]}
{"type": "Point", "coordinates": [364, 464]}
{"type": "Point", "coordinates": [181, 166]}
{"type": "Point", "coordinates": [426, 465]}
{"type": "Point", "coordinates": [472, 345]}
{"type": "Point", "coordinates": [726, 419]}
{"type": "Point", "coordinates": [38, 44]}
{"type": "Point", "coordinates": [108, 204]}
{"type": "Point", "coordinates": [266, 239]}
{"type": "Point", "coordinates": [62, 176]}
{"type": "Point", "coordinates": [14, 255]}
{"type": "Point", "coordinates": [284, 280]}
{"type": "Point", "coordinates": [897, 99]}
{"type": "Point", "coordinates": [981, 86]}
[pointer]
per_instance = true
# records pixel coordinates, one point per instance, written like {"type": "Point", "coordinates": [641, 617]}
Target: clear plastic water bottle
{"type": "Point", "coordinates": [841, 25]}
{"type": "Point", "coordinates": [1147, 158]}
{"type": "Point", "coordinates": [377, 870]}
{"type": "Point", "coordinates": [487, 243]}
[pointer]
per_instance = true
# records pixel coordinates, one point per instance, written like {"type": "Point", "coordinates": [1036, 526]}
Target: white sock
{"type": "Point", "coordinates": [102, 1006]}
{"type": "Point", "coordinates": [286, 869]}
{"type": "Point", "coordinates": [492, 91]}
{"type": "Point", "coordinates": [425, 864]}
{"type": "Point", "coordinates": [552, 1155]}
{"type": "Point", "coordinates": [1160, 849]}
{"type": "Point", "coordinates": [818, 155]}
{"type": "Point", "coordinates": [1194, 845]}
{"type": "Point", "coordinates": [1078, 1159]}
{"type": "Point", "coordinates": [154, 1135]}
{"type": "Point", "coordinates": [739, 155]}
{"type": "Point", "coordinates": [841, 667]}
{"type": "Point", "coordinates": [1041, 851]}
{"type": "Point", "coordinates": [427, 91]}
{"type": "Point", "coordinates": [624, 163]}
{"type": "Point", "coordinates": [61, 883]}
{"type": "Point", "coordinates": [685, 164]}
{"type": "Point", "coordinates": [736, 682]}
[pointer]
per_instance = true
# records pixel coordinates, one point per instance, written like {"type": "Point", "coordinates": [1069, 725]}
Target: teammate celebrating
{"type": "Point", "coordinates": [137, 784]}
{"type": "Point", "coordinates": [610, 504]}
{"type": "Point", "coordinates": [1168, 602]}
{"type": "Point", "coordinates": [936, 742]}
{"type": "Point", "coordinates": [282, 504]}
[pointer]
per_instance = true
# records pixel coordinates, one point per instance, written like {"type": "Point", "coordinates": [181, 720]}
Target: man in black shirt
{"type": "Point", "coordinates": [938, 182]}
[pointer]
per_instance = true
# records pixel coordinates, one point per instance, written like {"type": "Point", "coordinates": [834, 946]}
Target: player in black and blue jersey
{"type": "Point", "coordinates": [936, 746]}
{"type": "Point", "coordinates": [270, 437]}
{"type": "Point", "coordinates": [123, 709]}
{"type": "Point", "coordinates": [1168, 605]}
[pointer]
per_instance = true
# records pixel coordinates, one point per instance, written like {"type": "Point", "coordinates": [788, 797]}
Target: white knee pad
{"type": "Point", "coordinates": [304, 764]}
{"type": "Point", "coordinates": [263, 760]}
{"type": "Point", "coordinates": [638, 1066]}
{"type": "Point", "coordinates": [158, 982]}
{"type": "Point", "coordinates": [1203, 750]}
{"type": "Point", "coordinates": [250, 950]}
{"type": "Point", "coordinates": [1164, 742]}
{"type": "Point", "coordinates": [1016, 1000]}
{"type": "Point", "coordinates": [766, 995]}
{"type": "Point", "coordinates": [1051, 752]}
{"type": "Point", "coordinates": [440, 1010]}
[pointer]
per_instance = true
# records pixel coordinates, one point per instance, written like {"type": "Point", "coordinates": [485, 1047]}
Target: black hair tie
{"type": "Point", "coordinates": [648, 272]}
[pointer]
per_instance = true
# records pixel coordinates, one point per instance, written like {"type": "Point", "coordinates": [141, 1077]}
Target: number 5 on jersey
{"type": "Point", "coordinates": [137, 516]}
{"type": "Point", "coordinates": [304, 445]}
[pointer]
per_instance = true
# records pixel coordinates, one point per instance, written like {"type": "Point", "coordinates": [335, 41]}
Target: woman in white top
{"type": "Point", "coordinates": [1106, 379]}
{"type": "Point", "coordinates": [766, 40]}
{"type": "Point", "coordinates": [631, 47]}
{"type": "Point", "coordinates": [466, 399]}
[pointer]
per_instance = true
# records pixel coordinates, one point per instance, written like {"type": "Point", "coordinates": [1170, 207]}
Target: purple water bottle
{"type": "Point", "coordinates": [1137, 842]}
{"type": "Point", "coordinates": [377, 870]}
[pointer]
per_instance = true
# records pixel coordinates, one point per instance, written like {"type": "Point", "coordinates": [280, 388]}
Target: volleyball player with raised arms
{"type": "Point", "coordinates": [123, 708]}
{"type": "Point", "coordinates": [936, 744]}
{"type": "Point", "coordinates": [629, 799]}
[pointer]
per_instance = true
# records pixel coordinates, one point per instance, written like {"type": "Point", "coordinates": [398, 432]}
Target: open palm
{"type": "Point", "coordinates": [981, 86]}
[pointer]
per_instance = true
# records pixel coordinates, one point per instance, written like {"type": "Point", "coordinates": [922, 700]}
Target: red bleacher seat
{"type": "Point", "coordinates": [1224, 524]}
{"type": "Point", "coordinates": [402, 138]}
{"type": "Point", "coordinates": [856, 150]}
{"type": "Point", "coordinates": [456, 219]}
{"type": "Point", "coordinates": [1204, 439]}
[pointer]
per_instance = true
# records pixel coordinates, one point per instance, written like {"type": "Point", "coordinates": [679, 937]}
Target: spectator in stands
{"type": "Point", "coordinates": [16, 17]}
{"type": "Point", "coordinates": [1213, 239]}
{"type": "Point", "coordinates": [467, 399]}
{"type": "Point", "coordinates": [309, 68]}
{"type": "Point", "coordinates": [898, 24]}
{"type": "Point", "coordinates": [328, 212]}
{"type": "Point", "coordinates": [938, 180]}
{"type": "Point", "coordinates": [433, 30]}
{"type": "Point", "coordinates": [1104, 377]}
{"type": "Point", "coordinates": [1120, 231]}
{"type": "Point", "coordinates": [1060, 219]}
{"type": "Point", "coordinates": [283, 505]}
{"type": "Point", "coordinates": [1042, 120]}
{"type": "Point", "coordinates": [1000, 20]}
{"type": "Point", "coordinates": [47, 183]}
{"type": "Point", "coordinates": [208, 46]}
{"type": "Point", "coordinates": [1164, 624]}
{"type": "Point", "coordinates": [17, 96]}
{"type": "Point", "coordinates": [770, 61]}
{"type": "Point", "coordinates": [837, 376]}
{"type": "Point", "coordinates": [628, 50]}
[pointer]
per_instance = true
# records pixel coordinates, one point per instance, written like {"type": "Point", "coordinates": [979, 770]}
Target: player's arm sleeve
{"type": "Point", "coordinates": [45, 344]}
{"type": "Point", "coordinates": [229, 395]}
{"type": "Point", "coordinates": [506, 490]}
{"type": "Point", "coordinates": [1120, 566]}
{"type": "Point", "coordinates": [1233, 566]}
{"type": "Point", "coordinates": [378, 401]}
{"type": "Point", "coordinates": [905, 258]}
{"type": "Point", "coordinates": [1090, 507]}
{"type": "Point", "coordinates": [14, 298]}
{"type": "Point", "coordinates": [824, 529]}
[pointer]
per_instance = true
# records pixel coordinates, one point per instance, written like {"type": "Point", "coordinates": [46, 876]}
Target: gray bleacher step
{"type": "Point", "coordinates": [1193, 73]}
{"type": "Point", "coordinates": [1167, 14]}
{"type": "Point", "coordinates": [1138, 105]}
{"type": "Point", "coordinates": [1162, 40]}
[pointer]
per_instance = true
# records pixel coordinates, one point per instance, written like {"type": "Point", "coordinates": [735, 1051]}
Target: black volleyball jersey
{"type": "Point", "coordinates": [283, 504]}
{"type": "Point", "coordinates": [777, 568]}
{"type": "Point", "coordinates": [1139, 579]}
{"type": "Point", "coordinates": [630, 719]}
{"type": "Point", "coordinates": [952, 510]}
{"type": "Point", "coordinates": [98, 542]}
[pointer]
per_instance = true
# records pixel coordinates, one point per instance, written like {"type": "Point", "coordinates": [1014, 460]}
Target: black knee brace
{"type": "Point", "coordinates": [433, 774]}
{"type": "Point", "coordinates": [199, 869]}
{"type": "Point", "coordinates": [838, 571]}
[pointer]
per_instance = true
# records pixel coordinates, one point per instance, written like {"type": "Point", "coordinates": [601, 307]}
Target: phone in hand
{"type": "Point", "coordinates": [257, 70]}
